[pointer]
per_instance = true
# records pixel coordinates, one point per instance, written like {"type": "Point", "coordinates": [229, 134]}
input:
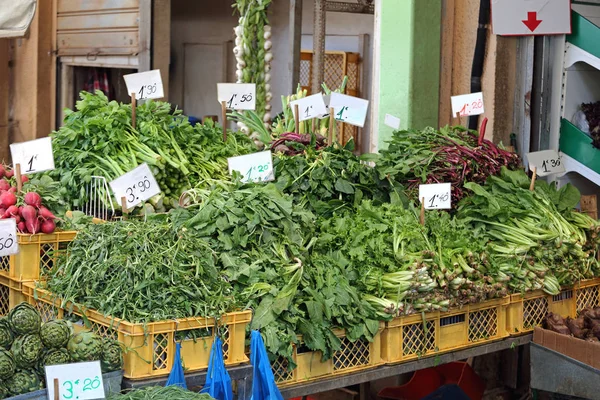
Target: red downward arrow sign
{"type": "Point", "coordinates": [532, 22]}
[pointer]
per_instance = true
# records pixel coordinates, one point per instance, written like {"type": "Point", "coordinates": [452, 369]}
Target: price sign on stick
{"type": "Point", "coordinates": [310, 107]}
{"type": "Point", "coordinates": [33, 156]}
{"type": "Point", "coordinates": [349, 109]}
{"type": "Point", "coordinates": [145, 85]}
{"type": "Point", "coordinates": [256, 167]}
{"type": "Point", "coordinates": [467, 104]}
{"type": "Point", "coordinates": [8, 237]}
{"type": "Point", "coordinates": [438, 196]}
{"type": "Point", "coordinates": [137, 186]}
{"type": "Point", "coordinates": [546, 162]}
{"type": "Point", "coordinates": [392, 122]}
{"type": "Point", "coordinates": [237, 96]}
{"type": "Point", "coordinates": [78, 381]}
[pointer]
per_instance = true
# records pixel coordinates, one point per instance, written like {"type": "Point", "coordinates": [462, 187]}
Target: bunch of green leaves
{"type": "Point", "coordinates": [331, 179]}
{"type": "Point", "coordinates": [172, 392]}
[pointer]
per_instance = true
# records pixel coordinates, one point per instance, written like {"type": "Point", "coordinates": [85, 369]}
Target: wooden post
{"type": "Point", "coordinates": [224, 117]}
{"type": "Point", "coordinates": [18, 177]}
{"type": "Point", "coordinates": [314, 123]}
{"type": "Point", "coordinates": [422, 216]}
{"type": "Point", "coordinates": [458, 118]}
{"type": "Point", "coordinates": [133, 109]}
{"type": "Point", "coordinates": [297, 117]}
{"type": "Point", "coordinates": [331, 125]}
{"type": "Point", "coordinates": [532, 185]}
{"type": "Point", "coordinates": [589, 205]}
{"type": "Point", "coordinates": [56, 390]}
{"type": "Point", "coordinates": [124, 207]}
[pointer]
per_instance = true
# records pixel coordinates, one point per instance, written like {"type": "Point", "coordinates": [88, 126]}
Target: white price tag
{"type": "Point", "coordinates": [349, 109]}
{"type": "Point", "coordinates": [309, 107]}
{"type": "Point", "coordinates": [438, 196]}
{"type": "Point", "coordinates": [9, 243]}
{"type": "Point", "coordinates": [237, 96]}
{"type": "Point", "coordinates": [546, 162]}
{"type": "Point", "coordinates": [256, 167]}
{"type": "Point", "coordinates": [326, 100]}
{"type": "Point", "coordinates": [145, 85]}
{"type": "Point", "coordinates": [137, 186]}
{"type": "Point", "coordinates": [392, 122]}
{"type": "Point", "coordinates": [78, 381]}
{"type": "Point", "coordinates": [33, 156]}
{"type": "Point", "coordinates": [467, 104]}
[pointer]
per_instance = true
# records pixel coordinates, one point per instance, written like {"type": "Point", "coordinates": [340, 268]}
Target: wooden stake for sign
{"type": "Point", "coordinates": [56, 390]}
{"type": "Point", "coordinates": [532, 185]}
{"type": "Point", "coordinates": [18, 177]}
{"type": "Point", "coordinates": [133, 109]}
{"type": "Point", "coordinates": [458, 117]}
{"type": "Point", "coordinates": [313, 130]}
{"type": "Point", "coordinates": [124, 207]}
{"type": "Point", "coordinates": [331, 125]}
{"type": "Point", "coordinates": [297, 117]}
{"type": "Point", "coordinates": [422, 216]}
{"type": "Point", "coordinates": [224, 117]}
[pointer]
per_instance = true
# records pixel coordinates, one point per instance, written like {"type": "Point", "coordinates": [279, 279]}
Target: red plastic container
{"type": "Point", "coordinates": [461, 374]}
{"type": "Point", "coordinates": [422, 383]}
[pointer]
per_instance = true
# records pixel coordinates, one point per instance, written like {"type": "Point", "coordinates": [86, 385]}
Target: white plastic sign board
{"type": "Point", "coordinates": [8, 237]}
{"type": "Point", "coordinates": [137, 186]}
{"type": "Point", "coordinates": [467, 104]}
{"type": "Point", "coordinates": [78, 381]}
{"type": "Point", "coordinates": [145, 85]}
{"type": "Point", "coordinates": [33, 156]}
{"type": "Point", "coordinates": [237, 96]}
{"type": "Point", "coordinates": [255, 167]}
{"type": "Point", "coordinates": [348, 109]}
{"type": "Point", "coordinates": [438, 196]}
{"type": "Point", "coordinates": [546, 162]}
{"type": "Point", "coordinates": [392, 122]}
{"type": "Point", "coordinates": [309, 107]}
{"type": "Point", "coordinates": [531, 17]}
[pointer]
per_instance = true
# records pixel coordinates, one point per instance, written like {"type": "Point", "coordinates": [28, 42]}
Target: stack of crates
{"type": "Point", "coordinates": [37, 253]}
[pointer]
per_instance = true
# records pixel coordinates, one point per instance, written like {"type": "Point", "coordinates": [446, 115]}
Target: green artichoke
{"type": "Point", "coordinates": [3, 392]}
{"type": "Point", "coordinates": [7, 364]}
{"type": "Point", "coordinates": [54, 357]}
{"type": "Point", "coordinates": [85, 346]}
{"type": "Point", "coordinates": [112, 356]}
{"type": "Point", "coordinates": [27, 350]}
{"type": "Point", "coordinates": [24, 319]}
{"type": "Point", "coordinates": [6, 335]}
{"type": "Point", "coordinates": [24, 381]}
{"type": "Point", "coordinates": [55, 334]}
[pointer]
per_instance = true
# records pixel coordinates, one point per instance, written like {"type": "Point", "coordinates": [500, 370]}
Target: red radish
{"type": "Point", "coordinates": [33, 226]}
{"type": "Point", "coordinates": [21, 227]}
{"type": "Point", "coordinates": [17, 218]}
{"type": "Point", "coordinates": [33, 199]}
{"type": "Point", "coordinates": [24, 179]}
{"type": "Point", "coordinates": [2, 211]}
{"type": "Point", "coordinates": [7, 199]}
{"type": "Point", "coordinates": [2, 171]}
{"type": "Point", "coordinates": [4, 184]}
{"type": "Point", "coordinates": [28, 213]}
{"type": "Point", "coordinates": [12, 211]}
{"type": "Point", "coordinates": [44, 213]}
{"type": "Point", "coordinates": [12, 189]}
{"type": "Point", "coordinates": [9, 174]}
{"type": "Point", "coordinates": [48, 226]}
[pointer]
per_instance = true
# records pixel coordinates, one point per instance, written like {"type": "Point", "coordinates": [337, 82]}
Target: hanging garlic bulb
{"type": "Point", "coordinates": [268, 44]}
{"type": "Point", "coordinates": [267, 35]}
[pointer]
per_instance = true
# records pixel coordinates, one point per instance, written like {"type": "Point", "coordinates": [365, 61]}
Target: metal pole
{"type": "Point", "coordinates": [318, 69]}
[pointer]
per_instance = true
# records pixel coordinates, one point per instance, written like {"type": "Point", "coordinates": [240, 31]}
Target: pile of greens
{"type": "Point", "coordinates": [159, 393]}
{"type": "Point", "coordinates": [98, 140]}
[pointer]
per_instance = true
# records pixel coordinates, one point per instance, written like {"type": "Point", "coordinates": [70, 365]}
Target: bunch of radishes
{"type": "Point", "coordinates": [29, 213]}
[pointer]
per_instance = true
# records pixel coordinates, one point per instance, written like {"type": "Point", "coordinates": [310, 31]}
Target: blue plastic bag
{"type": "Point", "coordinates": [176, 377]}
{"type": "Point", "coordinates": [263, 381]}
{"type": "Point", "coordinates": [218, 382]}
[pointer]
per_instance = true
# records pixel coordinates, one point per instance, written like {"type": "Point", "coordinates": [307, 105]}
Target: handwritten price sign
{"type": "Point", "coordinates": [468, 104]}
{"type": "Point", "coordinates": [256, 167]}
{"type": "Point", "coordinates": [80, 381]}
{"type": "Point", "coordinates": [8, 237]}
{"type": "Point", "coordinates": [145, 85]}
{"type": "Point", "coordinates": [438, 196]}
{"type": "Point", "coordinates": [33, 156]}
{"type": "Point", "coordinates": [546, 162]}
{"type": "Point", "coordinates": [309, 107]}
{"type": "Point", "coordinates": [349, 109]}
{"type": "Point", "coordinates": [237, 96]}
{"type": "Point", "coordinates": [137, 186]}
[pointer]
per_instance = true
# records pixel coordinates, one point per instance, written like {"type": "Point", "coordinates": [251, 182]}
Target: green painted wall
{"type": "Point", "coordinates": [409, 62]}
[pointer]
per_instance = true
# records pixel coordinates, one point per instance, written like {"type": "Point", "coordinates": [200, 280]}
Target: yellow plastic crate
{"type": "Point", "coordinates": [354, 356]}
{"type": "Point", "coordinates": [36, 253]}
{"type": "Point", "coordinates": [419, 335]}
{"type": "Point", "coordinates": [152, 345]}
{"type": "Point", "coordinates": [10, 294]}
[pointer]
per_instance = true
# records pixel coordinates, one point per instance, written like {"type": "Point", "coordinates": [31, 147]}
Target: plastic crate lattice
{"type": "Point", "coordinates": [161, 344]}
{"type": "Point", "coordinates": [280, 370]}
{"type": "Point", "coordinates": [534, 311]}
{"type": "Point", "coordinates": [5, 264]}
{"type": "Point", "coordinates": [4, 300]}
{"type": "Point", "coordinates": [483, 324]}
{"type": "Point", "coordinates": [588, 297]}
{"type": "Point", "coordinates": [351, 354]}
{"type": "Point", "coordinates": [417, 340]}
